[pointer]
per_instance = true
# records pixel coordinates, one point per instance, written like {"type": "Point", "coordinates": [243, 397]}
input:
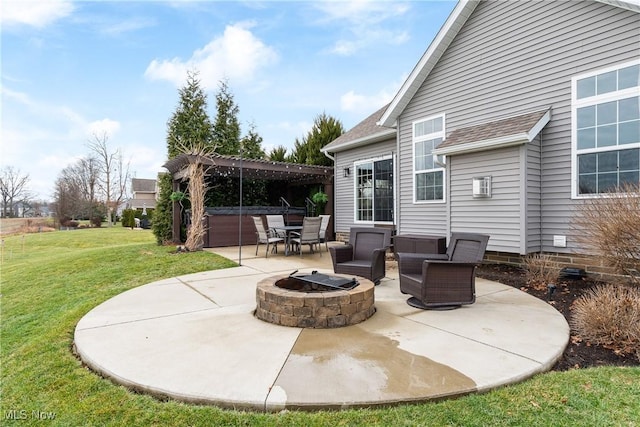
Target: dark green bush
{"type": "Point", "coordinates": [162, 225]}
{"type": "Point", "coordinates": [128, 218]}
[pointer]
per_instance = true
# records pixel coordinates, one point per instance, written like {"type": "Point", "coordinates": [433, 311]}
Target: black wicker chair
{"type": "Point", "coordinates": [364, 255]}
{"type": "Point", "coordinates": [443, 281]}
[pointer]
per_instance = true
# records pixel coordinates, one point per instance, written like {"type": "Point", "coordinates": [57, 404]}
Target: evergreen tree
{"type": "Point", "coordinates": [299, 154]}
{"type": "Point", "coordinates": [325, 129]}
{"type": "Point", "coordinates": [278, 154]}
{"type": "Point", "coordinates": [189, 125]}
{"type": "Point", "coordinates": [253, 190]}
{"type": "Point", "coordinates": [252, 144]}
{"type": "Point", "coordinates": [162, 224]}
{"type": "Point", "coordinates": [226, 128]}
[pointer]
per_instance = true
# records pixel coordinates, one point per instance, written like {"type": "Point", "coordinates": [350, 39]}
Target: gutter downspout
{"type": "Point", "coordinates": [540, 211]}
{"type": "Point", "coordinates": [396, 184]}
{"type": "Point", "coordinates": [333, 192]}
{"type": "Point", "coordinates": [333, 159]}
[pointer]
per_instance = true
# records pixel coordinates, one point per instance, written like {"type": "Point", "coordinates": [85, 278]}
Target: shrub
{"type": "Point", "coordinates": [609, 315]}
{"type": "Point", "coordinates": [162, 225]}
{"type": "Point", "coordinates": [541, 270]}
{"type": "Point", "coordinates": [96, 221]}
{"type": "Point", "coordinates": [128, 218]}
{"type": "Point", "coordinates": [609, 225]}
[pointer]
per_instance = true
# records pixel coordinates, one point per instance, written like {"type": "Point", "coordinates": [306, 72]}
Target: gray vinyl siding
{"type": "Point", "coordinates": [344, 187]}
{"type": "Point", "coordinates": [501, 215]}
{"type": "Point", "coordinates": [421, 218]}
{"type": "Point", "coordinates": [533, 219]}
{"type": "Point", "coordinates": [512, 58]}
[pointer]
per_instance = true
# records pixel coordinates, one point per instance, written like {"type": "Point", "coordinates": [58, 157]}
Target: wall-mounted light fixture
{"type": "Point", "coordinates": [346, 172]}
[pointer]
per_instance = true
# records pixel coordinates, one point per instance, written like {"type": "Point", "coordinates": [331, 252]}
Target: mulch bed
{"type": "Point", "coordinates": [578, 354]}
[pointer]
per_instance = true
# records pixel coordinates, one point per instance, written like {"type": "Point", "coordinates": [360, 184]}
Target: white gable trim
{"type": "Point", "coordinates": [436, 49]}
{"type": "Point", "coordinates": [443, 39]}
{"type": "Point", "coordinates": [487, 144]}
{"type": "Point", "coordinates": [369, 139]}
{"type": "Point", "coordinates": [494, 143]}
{"type": "Point", "coordinates": [633, 5]}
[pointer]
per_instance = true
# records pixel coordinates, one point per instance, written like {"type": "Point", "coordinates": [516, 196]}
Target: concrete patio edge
{"type": "Point", "coordinates": [194, 339]}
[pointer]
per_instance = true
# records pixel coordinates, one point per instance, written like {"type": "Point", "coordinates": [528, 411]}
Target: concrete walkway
{"type": "Point", "coordinates": [194, 338]}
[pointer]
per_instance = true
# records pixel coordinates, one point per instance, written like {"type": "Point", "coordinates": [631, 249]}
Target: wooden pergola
{"type": "Point", "coordinates": [217, 165]}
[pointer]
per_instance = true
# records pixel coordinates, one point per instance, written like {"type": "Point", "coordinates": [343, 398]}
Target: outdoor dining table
{"type": "Point", "coordinates": [289, 229]}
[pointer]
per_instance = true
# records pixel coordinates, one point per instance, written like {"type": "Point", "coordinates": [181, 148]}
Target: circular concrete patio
{"type": "Point", "coordinates": [195, 339]}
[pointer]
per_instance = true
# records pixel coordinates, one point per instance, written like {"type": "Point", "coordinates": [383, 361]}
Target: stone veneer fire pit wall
{"type": "Point", "coordinates": [313, 309]}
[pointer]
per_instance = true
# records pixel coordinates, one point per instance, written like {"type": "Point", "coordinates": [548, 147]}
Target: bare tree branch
{"type": "Point", "coordinates": [13, 189]}
{"type": "Point", "coordinates": [114, 174]}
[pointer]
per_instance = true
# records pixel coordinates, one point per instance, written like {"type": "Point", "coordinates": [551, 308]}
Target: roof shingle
{"type": "Point", "coordinates": [367, 128]}
{"type": "Point", "coordinates": [508, 129]}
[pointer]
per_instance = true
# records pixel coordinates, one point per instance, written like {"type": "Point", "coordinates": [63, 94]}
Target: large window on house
{"type": "Point", "coordinates": [428, 177]}
{"type": "Point", "coordinates": [374, 190]}
{"type": "Point", "coordinates": [606, 129]}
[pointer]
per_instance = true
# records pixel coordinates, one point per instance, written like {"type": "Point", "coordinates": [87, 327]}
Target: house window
{"type": "Point", "coordinates": [606, 129]}
{"type": "Point", "coordinates": [374, 190]}
{"type": "Point", "coordinates": [428, 176]}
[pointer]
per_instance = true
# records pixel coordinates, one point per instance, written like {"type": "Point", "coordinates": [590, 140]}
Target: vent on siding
{"type": "Point", "coordinates": [482, 186]}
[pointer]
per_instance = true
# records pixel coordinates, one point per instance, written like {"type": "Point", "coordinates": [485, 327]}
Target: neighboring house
{"type": "Point", "coordinates": [145, 194]}
{"type": "Point", "coordinates": [516, 112]}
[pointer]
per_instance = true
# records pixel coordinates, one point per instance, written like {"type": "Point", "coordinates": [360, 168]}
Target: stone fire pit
{"type": "Point", "coordinates": [313, 308]}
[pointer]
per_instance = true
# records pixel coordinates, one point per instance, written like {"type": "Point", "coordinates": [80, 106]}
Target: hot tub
{"type": "Point", "coordinates": [223, 223]}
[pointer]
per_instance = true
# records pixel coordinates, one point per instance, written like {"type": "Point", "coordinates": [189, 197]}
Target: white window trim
{"type": "Point", "coordinates": [588, 101]}
{"type": "Point", "coordinates": [415, 139]}
{"type": "Point", "coordinates": [355, 189]}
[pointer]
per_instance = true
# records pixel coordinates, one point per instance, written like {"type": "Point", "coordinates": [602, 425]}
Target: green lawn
{"type": "Point", "coordinates": [50, 280]}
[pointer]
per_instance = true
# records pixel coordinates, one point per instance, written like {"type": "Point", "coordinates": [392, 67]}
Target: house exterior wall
{"type": "Point", "coordinates": [344, 186]}
{"type": "Point", "coordinates": [502, 213]}
{"type": "Point", "coordinates": [144, 196]}
{"type": "Point", "coordinates": [511, 58]}
{"type": "Point", "coordinates": [532, 190]}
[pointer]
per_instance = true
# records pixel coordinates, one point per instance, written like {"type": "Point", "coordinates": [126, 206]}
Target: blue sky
{"type": "Point", "coordinates": [74, 68]}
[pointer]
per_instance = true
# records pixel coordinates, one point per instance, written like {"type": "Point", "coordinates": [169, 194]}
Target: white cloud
{"type": "Point", "coordinates": [41, 138]}
{"type": "Point", "coordinates": [364, 20]}
{"type": "Point", "coordinates": [22, 109]}
{"type": "Point", "coordinates": [127, 26]}
{"type": "Point", "coordinates": [106, 127]}
{"type": "Point", "coordinates": [284, 133]}
{"type": "Point", "coordinates": [237, 55]}
{"type": "Point", "coordinates": [144, 161]}
{"type": "Point", "coordinates": [55, 161]}
{"type": "Point", "coordinates": [363, 37]}
{"type": "Point", "coordinates": [288, 131]}
{"type": "Point", "coordinates": [361, 12]}
{"type": "Point", "coordinates": [364, 104]}
{"type": "Point", "coordinates": [36, 13]}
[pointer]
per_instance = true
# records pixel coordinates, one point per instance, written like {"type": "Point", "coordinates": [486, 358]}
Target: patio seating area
{"type": "Point", "coordinates": [195, 338]}
{"type": "Point", "coordinates": [443, 281]}
{"type": "Point", "coordinates": [364, 255]}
